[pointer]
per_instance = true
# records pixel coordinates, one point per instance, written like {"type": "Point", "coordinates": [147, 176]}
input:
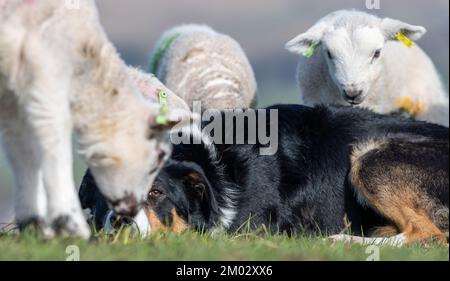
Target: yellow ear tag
{"type": "Point", "coordinates": [404, 39]}
{"type": "Point", "coordinates": [410, 107]}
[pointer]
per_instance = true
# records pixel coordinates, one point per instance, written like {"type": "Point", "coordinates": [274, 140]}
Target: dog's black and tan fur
{"type": "Point", "coordinates": [335, 168]}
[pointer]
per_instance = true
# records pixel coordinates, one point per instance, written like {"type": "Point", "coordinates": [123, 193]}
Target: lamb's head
{"type": "Point", "coordinates": [351, 44]}
{"type": "Point", "coordinates": [124, 165]}
{"type": "Point", "coordinates": [126, 153]}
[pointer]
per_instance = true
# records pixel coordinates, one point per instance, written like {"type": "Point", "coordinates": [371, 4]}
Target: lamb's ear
{"type": "Point", "coordinates": [150, 87]}
{"type": "Point", "coordinates": [176, 109]}
{"type": "Point", "coordinates": [304, 41]}
{"type": "Point", "coordinates": [391, 27]}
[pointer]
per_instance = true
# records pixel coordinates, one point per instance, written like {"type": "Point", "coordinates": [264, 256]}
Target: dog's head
{"type": "Point", "coordinates": [181, 197]}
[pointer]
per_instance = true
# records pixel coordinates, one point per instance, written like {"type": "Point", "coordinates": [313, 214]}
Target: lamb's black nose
{"type": "Point", "coordinates": [127, 206]}
{"type": "Point", "coordinates": [353, 96]}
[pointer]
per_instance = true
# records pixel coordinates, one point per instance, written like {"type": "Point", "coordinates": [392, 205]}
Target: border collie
{"type": "Point", "coordinates": [336, 169]}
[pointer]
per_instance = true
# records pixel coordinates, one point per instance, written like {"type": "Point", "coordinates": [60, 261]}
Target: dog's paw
{"type": "Point", "coordinates": [345, 238]}
{"type": "Point", "coordinates": [69, 225]}
{"type": "Point", "coordinates": [394, 241]}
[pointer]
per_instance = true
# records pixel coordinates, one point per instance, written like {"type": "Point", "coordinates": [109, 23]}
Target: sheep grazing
{"type": "Point", "coordinates": [353, 58]}
{"type": "Point", "coordinates": [199, 64]}
{"type": "Point", "coordinates": [58, 71]}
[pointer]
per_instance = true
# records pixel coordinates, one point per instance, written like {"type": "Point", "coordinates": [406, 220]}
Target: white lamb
{"type": "Point", "coordinates": [360, 61]}
{"type": "Point", "coordinates": [199, 64]}
{"type": "Point", "coordinates": [58, 71]}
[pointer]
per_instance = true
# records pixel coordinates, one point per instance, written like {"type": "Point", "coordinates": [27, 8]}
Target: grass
{"type": "Point", "coordinates": [196, 246]}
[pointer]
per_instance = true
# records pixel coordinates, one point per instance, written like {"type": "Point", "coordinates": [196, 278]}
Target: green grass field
{"type": "Point", "coordinates": [219, 247]}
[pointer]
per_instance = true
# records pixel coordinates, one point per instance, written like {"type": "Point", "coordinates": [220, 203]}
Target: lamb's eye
{"type": "Point", "coordinates": [330, 56]}
{"type": "Point", "coordinates": [377, 54]}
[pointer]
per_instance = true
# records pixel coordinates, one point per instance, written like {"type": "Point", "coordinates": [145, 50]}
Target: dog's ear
{"type": "Point", "coordinates": [198, 194]}
{"type": "Point", "coordinates": [203, 207]}
{"type": "Point", "coordinates": [196, 184]}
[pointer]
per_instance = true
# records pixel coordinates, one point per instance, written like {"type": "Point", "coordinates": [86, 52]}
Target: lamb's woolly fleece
{"type": "Point", "coordinates": [199, 64]}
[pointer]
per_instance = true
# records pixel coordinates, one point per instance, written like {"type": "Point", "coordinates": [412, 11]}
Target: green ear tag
{"type": "Point", "coordinates": [308, 53]}
{"type": "Point", "coordinates": [161, 119]}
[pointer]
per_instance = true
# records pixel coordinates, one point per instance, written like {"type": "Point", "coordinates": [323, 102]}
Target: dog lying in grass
{"type": "Point", "coordinates": [59, 72]}
{"type": "Point", "coordinates": [335, 170]}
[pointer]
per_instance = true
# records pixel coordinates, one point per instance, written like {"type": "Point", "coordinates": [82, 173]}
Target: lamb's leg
{"type": "Point", "coordinates": [30, 198]}
{"type": "Point", "coordinates": [24, 157]}
{"type": "Point", "coordinates": [64, 208]}
{"type": "Point", "coordinates": [50, 120]}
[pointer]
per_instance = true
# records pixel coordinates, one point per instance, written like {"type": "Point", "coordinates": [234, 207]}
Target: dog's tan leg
{"type": "Point", "coordinates": [396, 185]}
{"type": "Point", "coordinates": [417, 226]}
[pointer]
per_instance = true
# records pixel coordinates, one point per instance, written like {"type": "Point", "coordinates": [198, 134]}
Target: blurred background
{"type": "Point", "coordinates": [261, 27]}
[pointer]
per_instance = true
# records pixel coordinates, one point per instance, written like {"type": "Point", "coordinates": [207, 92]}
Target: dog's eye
{"type": "Point", "coordinates": [377, 54]}
{"type": "Point", "coordinates": [155, 193]}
